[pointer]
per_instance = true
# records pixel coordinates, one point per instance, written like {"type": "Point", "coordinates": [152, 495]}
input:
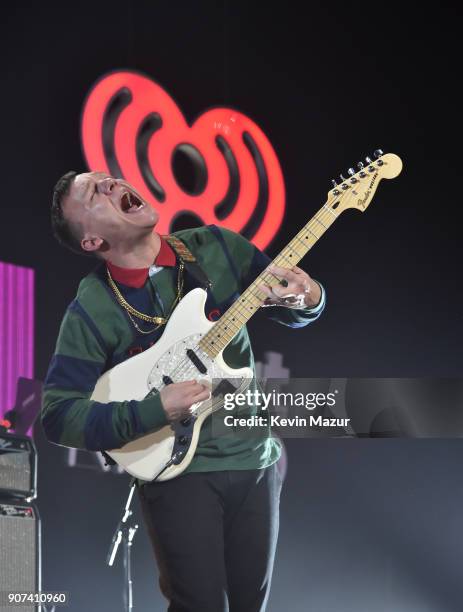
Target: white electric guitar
{"type": "Point", "coordinates": [182, 354]}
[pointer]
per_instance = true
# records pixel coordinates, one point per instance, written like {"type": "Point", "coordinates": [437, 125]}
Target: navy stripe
{"type": "Point", "coordinates": [75, 306]}
{"type": "Point", "coordinates": [138, 297]}
{"type": "Point", "coordinates": [53, 419]}
{"type": "Point", "coordinates": [71, 373]}
{"type": "Point", "coordinates": [99, 429]}
{"type": "Point", "coordinates": [258, 264]}
{"type": "Point", "coordinates": [144, 342]}
{"type": "Point", "coordinates": [218, 234]}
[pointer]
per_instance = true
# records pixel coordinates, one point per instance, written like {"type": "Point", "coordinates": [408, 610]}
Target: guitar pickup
{"type": "Point", "coordinates": [196, 361]}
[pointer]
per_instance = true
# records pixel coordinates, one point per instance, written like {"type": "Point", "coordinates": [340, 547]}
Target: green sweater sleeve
{"type": "Point", "coordinates": [69, 417]}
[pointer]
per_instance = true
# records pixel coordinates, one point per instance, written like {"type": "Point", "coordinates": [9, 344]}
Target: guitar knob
{"type": "Point", "coordinates": [360, 165]}
{"type": "Point", "coordinates": [351, 171]}
{"type": "Point", "coordinates": [185, 422]}
{"type": "Point", "coordinates": [378, 153]}
{"type": "Point", "coordinates": [182, 440]}
{"type": "Point", "coordinates": [368, 160]}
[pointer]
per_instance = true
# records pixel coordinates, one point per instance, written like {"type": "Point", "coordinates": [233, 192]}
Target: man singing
{"type": "Point", "coordinates": [213, 528]}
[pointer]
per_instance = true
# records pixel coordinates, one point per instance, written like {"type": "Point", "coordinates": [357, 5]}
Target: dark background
{"type": "Point", "coordinates": [366, 525]}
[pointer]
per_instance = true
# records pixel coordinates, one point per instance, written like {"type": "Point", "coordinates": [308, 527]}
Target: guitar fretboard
{"type": "Point", "coordinates": [252, 298]}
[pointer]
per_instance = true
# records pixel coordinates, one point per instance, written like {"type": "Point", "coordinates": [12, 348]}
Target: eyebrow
{"type": "Point", "coordinates": [85, 190]}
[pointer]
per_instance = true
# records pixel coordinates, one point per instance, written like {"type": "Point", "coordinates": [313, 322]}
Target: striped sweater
{"type": "Point", "coordinates": [96, 334]}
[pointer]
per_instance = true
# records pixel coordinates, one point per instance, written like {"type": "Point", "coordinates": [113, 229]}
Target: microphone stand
{"type": "Point", "coordinates": [125, 533]}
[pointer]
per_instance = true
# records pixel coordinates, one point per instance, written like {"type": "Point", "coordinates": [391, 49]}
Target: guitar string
{"type": "Point", "coordinates": [324, 213]}
{"type": "Point", "coordinates": [185, 369]}
{"type": "Point", "coordinates": [185, 365]}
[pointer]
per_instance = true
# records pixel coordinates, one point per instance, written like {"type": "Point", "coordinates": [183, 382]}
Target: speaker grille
{"type": "Point", "coordinates": [15, 471]}
{"type": "Point", "coordinates": [18, 466]}
{"type": "Point", "coordinates": [19, 553]}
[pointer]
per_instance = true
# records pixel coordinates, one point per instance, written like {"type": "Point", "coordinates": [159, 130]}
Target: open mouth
{"type": "Point", "coordinates": [130, 203]}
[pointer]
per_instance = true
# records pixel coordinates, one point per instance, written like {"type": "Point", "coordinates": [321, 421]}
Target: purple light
{"type": "Point", "coordinates": [16, 330]}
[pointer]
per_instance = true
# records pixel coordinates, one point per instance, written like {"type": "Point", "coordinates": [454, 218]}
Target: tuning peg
{"type": "Point", "coordinates": [334, 183]}
{"type": "Point", "coordinates": [378, 153]}
{"type": "Point", "coordinates": [360, 165]}
{"type": "Point", "coordinates": [351, 171]}
{"type": "Point", "coordinates": [368, 160]}
{"type": "Point", "coordinates": [342, 178]}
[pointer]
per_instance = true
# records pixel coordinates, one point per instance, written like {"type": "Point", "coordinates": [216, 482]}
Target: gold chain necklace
{"type": "Point", "coordinates": [132, 312]}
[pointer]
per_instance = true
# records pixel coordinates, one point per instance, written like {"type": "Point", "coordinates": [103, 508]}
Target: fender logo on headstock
{"type": "Point", "coordinates": [366, 198]}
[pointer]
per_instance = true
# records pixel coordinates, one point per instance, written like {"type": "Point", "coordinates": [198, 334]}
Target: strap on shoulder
{"type": "Point", "coordinates": [190, 261]}
{"type": "Point", "coordinates": [180, 248]}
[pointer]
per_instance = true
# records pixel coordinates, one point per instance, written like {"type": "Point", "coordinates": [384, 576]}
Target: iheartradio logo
{"type": "Point", "coordinates": [221, 169]}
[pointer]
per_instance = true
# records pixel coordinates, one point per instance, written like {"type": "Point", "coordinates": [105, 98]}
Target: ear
{"type": "Point", "coordinates": [91, 243]}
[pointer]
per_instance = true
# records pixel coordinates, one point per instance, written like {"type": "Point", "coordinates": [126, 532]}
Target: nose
{"type": "Point", "coordinates": [106, 185]}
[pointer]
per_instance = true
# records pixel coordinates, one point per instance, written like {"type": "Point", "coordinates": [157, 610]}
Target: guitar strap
{"type": "Point", "coordinates": [189, 260]}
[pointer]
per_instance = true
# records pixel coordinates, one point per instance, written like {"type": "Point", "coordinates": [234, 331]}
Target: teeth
{"type": "Point", "coordinates": [129, 201]}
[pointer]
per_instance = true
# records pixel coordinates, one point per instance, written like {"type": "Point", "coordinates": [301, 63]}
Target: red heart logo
{"type": "Point", "coordinates": [131, 128]}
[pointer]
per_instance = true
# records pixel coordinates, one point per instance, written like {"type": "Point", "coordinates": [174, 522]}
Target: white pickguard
{"type": "Point", "coordinates": [133, 379]}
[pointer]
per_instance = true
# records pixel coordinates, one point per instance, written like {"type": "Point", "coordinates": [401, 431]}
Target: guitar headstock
{"type": "Point", "coordinates": [358, 189]}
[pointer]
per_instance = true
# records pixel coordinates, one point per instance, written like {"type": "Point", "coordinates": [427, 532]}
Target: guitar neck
{"type": "Point", "coordinates": [252, 298]}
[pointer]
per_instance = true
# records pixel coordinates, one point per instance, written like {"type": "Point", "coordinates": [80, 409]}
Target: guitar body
{"type": "Point", "coordinates": [134, 379]}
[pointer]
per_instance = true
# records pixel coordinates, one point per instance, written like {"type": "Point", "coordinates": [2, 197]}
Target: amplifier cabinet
{"type": "Point", "coordinates": [18, 466]}
{"type": "Point", "coordinates": [20, 552]}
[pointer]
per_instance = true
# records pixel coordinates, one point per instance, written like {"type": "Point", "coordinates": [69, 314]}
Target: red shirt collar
{"type": "Point", "coordinates": [136, 277]}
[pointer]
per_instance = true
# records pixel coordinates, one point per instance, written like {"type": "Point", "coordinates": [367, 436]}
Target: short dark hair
{"type": "Point", "coordinates": [64, 231]}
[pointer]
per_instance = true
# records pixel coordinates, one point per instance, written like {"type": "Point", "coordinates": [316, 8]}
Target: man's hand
{"type": "Point", "coordinates": [177, 398]}
{"type": "Point", "coordinates": [297, 289]}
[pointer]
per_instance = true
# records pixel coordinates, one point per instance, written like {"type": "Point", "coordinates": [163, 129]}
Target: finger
{"type": "Point", "coordinates": [193, 382]}
{"type": "Point", "coordinates": [192, 390]}
{"type": "Point", "coordinates": [200, 397]}
{"type": "Point", "coordinates": [284, 292]}
{"type": "Point", "coordinates": [284, 273]}
{"type": "Point", "coordinates": [277, 292]}
{"type": "Point", "coordinates": [206, 383]}
{"type": "Point", "coordinates": [298, 270]}
{"type": "Point", "coordinates": [266, 290]}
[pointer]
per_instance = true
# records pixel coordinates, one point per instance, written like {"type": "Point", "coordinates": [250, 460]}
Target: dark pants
{"type": "Point", "coordinates": [214, 535]}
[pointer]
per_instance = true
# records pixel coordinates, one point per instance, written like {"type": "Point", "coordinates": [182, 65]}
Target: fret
{"type": "Point", "coordinates": [330, 210]}
{"type": "Point", "coordinates": [322, 224]}
{"type": "Point", "coordinates": [316, 236]}
{"type": "Point", "coordinates": [249, 302]}
{"type": "Point", "coordinates": [304, 244]}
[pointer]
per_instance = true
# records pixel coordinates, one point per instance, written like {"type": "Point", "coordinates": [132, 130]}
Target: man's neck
{"type": "Point", "coordinates": [136, 255]}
